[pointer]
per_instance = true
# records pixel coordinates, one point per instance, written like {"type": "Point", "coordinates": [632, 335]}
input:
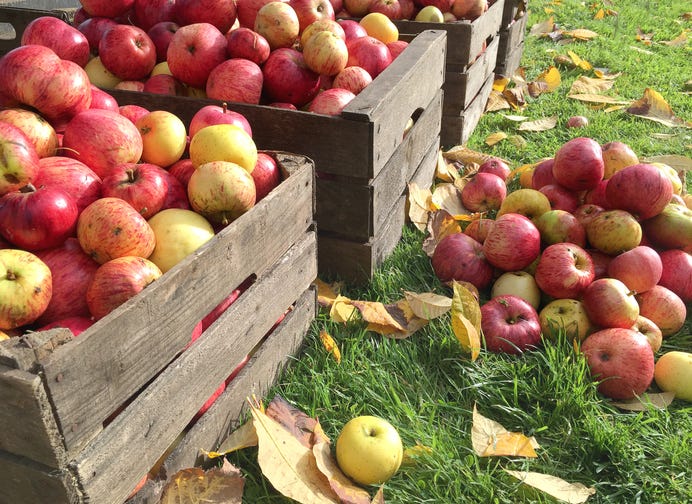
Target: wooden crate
{"type": "Point", "coordinates": [60, 443]}
{"type": "Point", "coordinates": [456, 130]}
{"type": "Point", "coordinates": [14, 19]}
{"type": "Point", "coordinates": [511, 47]}
{"type": "Point", "coordinates": [514, 9]}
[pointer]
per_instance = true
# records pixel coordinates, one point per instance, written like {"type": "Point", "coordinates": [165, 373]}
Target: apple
{"type": "Point", "coordinates": [517, 283]}
{"type": "Point", "coordinates": [161, 68]}
{"type": "Point", "coordinates": [601, 261]}
{"type": "Point", "coordinates": [513, 243]}
{"type": "Point", "coordinates": [676, 273]}
{"type": "Point", "coordinates": [26, 288]}
{"type": "Point", "coordinates": [558, 226]}
{"type": "Point", "coordinates": [107, 8]}
{"type": "Point", "coordinates": [564, 270]}
{"type": "Point", "coordinates": [369, 53]}
{"type": "Point", "coordinates": [639, 268]}
{"type": "Point", "coordinates": [613, 231]}
{"type": "Point", "coordinates": [430, 14]}
{"type": "Point", "coordinates": [117, 281]}
{"type": "Point", "coordinates": [543, 174]}
{"type": "Point", "coordinates": [496, 166]}
{"type": "Point", "coordinates": [93, 29]}
{"type": "Point", "coordinates": [510, 325]}
{"type": "Point", "coordinates": [223, 142]}
{"type": "Point", "coordinates": [266, 175]}
{"type": "Point", "coordinates": [609, 303]}
{"type": "Point", "coordinates": [20, 161]}
{"type": "Point", "coordinates": [100, 99]}
{"type": "Point", "coordinates": [565, 315]}
{"type": "Point", "coordinates": [617, 155]}
{"type": "Point", "coordinates": [164, 84]}
{"type": "Point", "coordinates": [194, 51]}
{"type": "Point", "coordinates": [176, 195]}
{"type": "Point", "coordinates": [247, 43]}
{"type": "Point", "coordinates": [560, 198]}
{"type": "Point", "coordinates": [325, 24]}
{"type": "Point", "coordinates": [35, 219]}
{"type": "Point", "coordinates": [577, 122]}
{"type": "Point", "coordinates": [622, 360]}
{"type": "Point", "coordinates": [478, 229]}
{"type": "Point", "coordinates": [71, 272]}
{"type": "Point", "coordinates": [352, 28]}
{"type": "Point", "coordinates": [578, 164]}
{"type": "Point", "coordinates": [247, 11]}
{"type": "Point", "coordinates": [278, 23]}
{"type": "Point", "coordinates": [288, 79]}
{"type": "Point", "coordinates": [77, 325]}
{"type": "Point", "coordinates": [484, 192]}
{"type": "Point", "coordinates": [91, 134]}
{"type": "Point", "coordinates": [66, 40]}
{"type": "Point", "coordinates": [217, 114]}
{"type": "Point", "coordinates": [528, 202]}
{"type": "Point", "coordinates": [459, 257]}
{"type": "Point", "coordinates": [597, 195]}
{"type": "Point", "coordinates": [673, 175]}
{"type": "Point", "coordinates": [149, 13]}
{"type": "Point", "coordinates": [178, 234]}
{"type": "Point", "coordinates": [161, 34]}
{"type": "Point", "coordinates": [236, 80]}
{"type": "Point", "coordinates": [164, 137]}
{"type": "Point", "coordinates": [331, 101]}
{"type": "Point", "coordinates": [469, 9]}
{"type": "Point", "coordinates": [409, 10]}
{"type": "Point", "coordinates": [219, 13]}
{"type": "Point", "coordinates": [641, 189]}
{"type": "Point", "coordinates": [369, 450]}
{"type": "Point", "coordinates": [586, 212]}
{"type": "Point", "coordinates": [140, 184]}
{"type": "Point", "coordinates": [111, 227]}
{"type": "Point", "coordinates": [673, 373]}
{"type": "Point", "coordinates": [309, 11]}
{"type": "Point", "coordinates": [671, 228]}
{"type": "Point", "coordinates": [221, 191]}
{"type": "Point", "coordinates": [325, 53]}
{"type": "Point", "coordinates": [127, 52]}
{"type": "Point", "coordinates": [353, 78]}
{"type": "Point", "coordinates": [182, 171]}
{"type": "Point", "coordinates": [99, 75]}
{"type": "Point", "coordinates": [39, 131]}
{"type": "Point", "coordinates": [72, 176]}
{"type": "Point", "coordinates": [357, 8]}
{"type": "Point", "coordinates": [390, 8]}
{"type": "Point", "coordinates": [650, 330]}
{"type": "Point", "coordinates": [664, 308]}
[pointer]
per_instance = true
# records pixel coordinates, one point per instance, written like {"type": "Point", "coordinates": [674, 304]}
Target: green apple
{"type": "Point", "coordinates": [369, 450]}
{"type": "Point", "coordinates": [99, 75]}
{"type": "Point", "coordinates": [26, 287]}
{"type": "Point", "coordinates": [518, 283]}
{"type": "Point", "coordinates": [430, 14]}
{"type": "Point", "coordinates": [613, 231]}
{"type": "Point", "coordinates": [565, 314]}
{"type": "Point", "coordinates": [673, 373]}
{"type": "Point", "coordinates": [530, 203]}
{"type": "Point", "coordinates": [672, 228]}
{"type": "Point", "coordinates": [179, 232]}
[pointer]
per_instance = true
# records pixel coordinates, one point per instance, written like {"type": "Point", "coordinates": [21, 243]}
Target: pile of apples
{"type": "Point", "coordinates": [289, 54]}
{"type": "Point", "coordinates": [596, 244]}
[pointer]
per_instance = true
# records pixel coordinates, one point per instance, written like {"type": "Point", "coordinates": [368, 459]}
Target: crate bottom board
{"type": "Point", "coordinates": [456, 130]}
{"type": "Point", "coordinates": [355, 261]}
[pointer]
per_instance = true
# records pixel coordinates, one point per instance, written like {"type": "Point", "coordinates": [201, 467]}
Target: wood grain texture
{"type": "Point", "coordinates": [456, 130]}
{"type": "Point", "coordinates": [25, 482]}
{"type": "Point", "coordinates": [511, 47]}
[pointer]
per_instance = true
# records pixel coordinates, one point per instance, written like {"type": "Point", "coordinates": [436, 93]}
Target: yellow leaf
{"type": "Point", "coordinates": [588, 85]}
{"type": "Point", "coordinates": [515, 118]}
{"type": "Point", "coordinates": [613, 108]}
{"type": "Point", "coordinates": [500, 84]}
{"type": "Point", "coordinates": [544, 124]}
{"type": "Point", "coordinates": [494, 138]}
{"type": "Point", "coordinates": [393, 320]}
{"type": "Point", "coordinates": [379, 496]}
{"type": "Point", "coordinates": [596, 98]}
{"type": "Point", "coordinates": [467, 335]}
{"type": "Point", "coordinates": [678, 41]}
{"type": "Point", "coordinates": [496, 101]}
{"type": "Point", "coordinates": [600, 14]}
{"type": "Point", "coordinates": [420, 202]}
{"type": "Point", "coordinates": [581, 63]}
{"type": "Point", "coordinates": [330, 345]}
{"type": "Point", "coordinates": [327, 293]}
{"type": "Point", "coordinates": [428, 305]}
{"type": "Point", "coordinates": [581, 34]}
{"type": "Point", "coordinates": [440, 224]}
{"type": "Point", "coordinates": [646, 401]}
{"type": "Point", "coordinates": [375, 312]}
{"type": "Point", "coordinates": [551, 77]}
{"type": "Point", "coordinates": [196, 486]}
{"type": "Point", "coordinates": [680, 163]}
{"type": "Point", "coordinates": [342, 310]}
{"type": "Point", "coordinates": [573, 493]}
{"type": "Point", "coordinates": [490, 439]}
{"type": "Point", "coordinates": [464, 301]}
{"type": "Point", "coordinates": [446, 197]}
{"type": "Point", "coordinates": [654, 107]}
{"type": "Point", "coordinates": [411, 453]}
{"type": "Point", "coordinates": [466, 155]}
{"type": "Point", "coordinates": [543, 27]}
{"type": "Point", "coordinates": [445, 171]}
{"type": "Point", "coordinates": [466, 319]}
{"type": "Point", "coordinates": [242, 437]}
{"type": "Point", "coordinates": [342, 486]}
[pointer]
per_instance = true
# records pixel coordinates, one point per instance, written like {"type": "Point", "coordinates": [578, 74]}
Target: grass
{"type": "Point", "coordinates": [427, 386]}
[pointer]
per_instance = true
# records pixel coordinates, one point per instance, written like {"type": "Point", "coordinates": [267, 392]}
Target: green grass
{"type": "Point", "coordinates": [427, 386]}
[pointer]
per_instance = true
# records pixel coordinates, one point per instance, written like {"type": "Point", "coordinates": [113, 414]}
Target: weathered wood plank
{"type": "Point", "coordinates": [23, 481]}
{"type": "Point", "coordinates": [456, 130]}
{"type": "Point", "coordinates": [511, 38]}
{"type": "Point", "coordinates": [513, 10]}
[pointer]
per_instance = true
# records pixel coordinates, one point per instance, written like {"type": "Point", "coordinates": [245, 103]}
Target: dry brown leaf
{"type": "Point", "coordinates": [465, 155]}
{"type": "Point", "coordinates": [661, 401]}
{"type": "Point", "coordinates": [678, 41]}
{"type": "Point", "coordinates": [196, 486]}
{"type": "Point", "coordinates": [419, 207]}
{"type": "Point", "coordinates": [680, 163]}
{"type": "Point", "coordinates": [392, 320]}
{"type": "Point", "coordinates": [289, 466]}
{"type": "Point", "coordinates": [490, 439]}
{"type": "Point", "coordinates": [466, 319]}
{"type": "Point", "coordinates": [581, 34]}
{"type": "Point", "coordinates": [327, 293]}
{"type": "Point", "coordinates": [644, 38]}
{"type": "Point", "coordinates": [242, 437]}
{"type": "Point", "coordinates": [654, 107]}
{"type": "Point", "coordinates": [428, 305]}
{"type": "Point", "coordinates": [444, 171]}
{"type": "Point", "coordinates": [495, 138]}
{"type": "Point", "coordinates": [515, 96]}
{"type": "Point", "coordinates": [342, 486]}
{"type": "Point", "coordinates": [297, 423]}
{"type": "Point", "coordinates": [589, 85]}
{"type": "Point", "coordinates": [440, 224]}
{"type": "Point", "coordinates": [497, 101]}
{"type": "Point", "coordinates": [573, 493]}
{"type": "Point", "coordinates": [330, 345]}
{"type": "Point", "coordinates": [551, 77]}
{"type": "Point", "coordinates": [544, 27]}
{"type": "Point", "coordinates": [515, 118]}
{"type": "Point", "coordinates": [379, 496]}
{"type": "Point", "coordinates": [377, 313]}
{"type": "Point", "coordinates": [597, 98]}
{"type": "Point", "coordinates": [342, 310]}
{"type": "Point", "coordinates": [446, 197]}
{"type": "Point", "coordinates": [544, 124]}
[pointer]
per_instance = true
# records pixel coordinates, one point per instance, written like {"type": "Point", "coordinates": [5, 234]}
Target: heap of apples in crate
{"type": "Point", "coordinates": [596, 244]}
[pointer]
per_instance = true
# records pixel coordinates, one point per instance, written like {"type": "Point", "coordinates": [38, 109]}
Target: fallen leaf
{"type": "Point", "coordinates": [342, 486]}
{"type": "Point", "coordinates": [581, 63]}
{"type": "Point", "coordinates": [597, 98]}
{"type": "Point", "coordinates": [515, 118]}
{"type": "Point", "coordinates": [644, 38]}
{"type": "Point", "coordinates": [327, 293]}
{"type": "Point", "coordinates": [392, 320]}
{"type": "Point", "coordinates": [342, 310]}
{"type": "Point", "coordinates": [678, 41]}
{"type": "Point", "coordinates": [412, 453]}
{"type": "Point", "coordinates": [467, 156]}
{"type": "Point", "coordinates": [293, 420]}
{"type": "Point", "coordinates": [495, 138]}
{"type": "Point", "coordinates": [289, 466]}
{"type": "Point", "coordinates": [440, 224]}
{"type": "Point", "coordinates": [680, 163]}
{"type": "Point", "coordinates": [196, 486]}
{"type": "Point", "coordinates": [547, 123]}
{"type": "Point", "coordinates": [654, 107]}
{"type": "Point", "coordinates": [242, 437]}
{"type": "Point", "coordinates": [581, 34]}
{"type": "Point", "coordinates": [544, 27]}
{"type": "Point", "coordinates": [428, 305]}
{"type": "Point", "coordinates": [445, 171]}
{"type": "Point", "coordinates": [573, 493]}
{"type": "Point", "coordinates": [517, 141]}
{"type": "Point", "coordinates": [515, 96]}
{"type": "Point", "coordinates": [589, 85]}
{"type": "Point", "coordinates": [660, 401]}
{"type": "Point", "coordinates": [500, 83]}
{"type": "Point", "coordinates": [551, 77]}
{"type": "Point", "coordinates": [379, 496]}
{"type": "Point", "coordinates": [446, 197]}
{"type": "Point", "coordinates": [490, 439]}
{"type": "Point", "coordinates": [497, 101]}
{"type": "Point", "coordinates": [466, 319]}
{"type": "Point", "coordinates": [330, 345]}
{"type": "Point", "coordinates": [420, 201]}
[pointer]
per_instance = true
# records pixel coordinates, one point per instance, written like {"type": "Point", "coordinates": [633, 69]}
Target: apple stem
{"type": "Point", "coordinates": [29, 188]}
{"type": "Point", "coordinates": [224, 107]}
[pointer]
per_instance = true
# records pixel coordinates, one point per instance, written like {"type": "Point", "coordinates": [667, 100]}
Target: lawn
{"type": "Point", "coordinates": [427, 385]}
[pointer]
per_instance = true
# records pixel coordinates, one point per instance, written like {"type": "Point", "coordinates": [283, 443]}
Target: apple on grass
{"type": "Point", "coordinates": [664, 308]}
{"type": "Point", "coordinates": [478, 229]}
{"type": "Point", "coordinates": [517, 283]}
{"type": "Point", "coordinates": [528, 202]}
{"type": "Point", "coordinates": [609, 303]}
{"type": "Point", "coordinates": [566, 315]}
{"type": "Point", "coordinates": [543, 174]}
{"type": "Point", "coordinates": [484, 192]}
{"type": "Point", "coordinates": [564, 270]}
{"type": "Point", "coordinates": [459, 257]}
{"type": "Point", "coordinates": [613, 231]}
{"type": "Point", "coordinates": [621, 360]}
{"type": "Point", "coordinates": [671, 228]}
{"type": "Point", "coordinates": [641, 189]}
{"type": "Point", "coordinates": [652, 332]}
{"type": "Point", "coordinates": [510, 325]}
{"type": "Point", "coordinates": [496, 166]}
{"type": "Point", "coordinates": [676, 272]}
{"type": "Point", "coordinates": [616, 156]}
{"type": "Point", "coordinates": [561, 198]}
{"type": "Point", "coordinates": [578, 164]}
{"type": "Point", "coordinates": [673, 373]}
{"type": "Point", "coordinates": [558, 226]}
{"type": "Point", "coordinates": [369, 450]}
{"type": "Point", "coordinates": [26, 287]}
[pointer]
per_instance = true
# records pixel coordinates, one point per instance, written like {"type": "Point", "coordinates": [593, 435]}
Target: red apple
{"type": "Point", "coordinates": [577, 122]}
{"type": "Point", "coordinates": [609, 303]}
{"type": "Point", "coordinates": [543, 174]}
{"type": "Point", "coordinates": [176, 195]}
{"type": "Point", "coordinates": [73, 176]}
{"type": "Point", "coordinates": [141, 185]}
{"type": "Point", "coordinates": [127, 52]}
{"type": "Point", "coordinates": [586, 212]}
{"type": "Point", "coordinates": [478, 229]}
{"type": "Point", "coordinates": [26, 288]}
{"type": "Point", "coordinates": [369, 53]}
{"type": "Point", "coordinates": [148, 13]}
{"type": "Point", "coordinates": [309, 11]}
{"type": "Point", "coordinates": [352, 29]}
{"type": "Point", "coordinates": [19, 163]}
{"type": "Point", "coordinates": [495, 166]}
{"type": "Point", "coordinates": [247, 11]}
{"type": "Point", "coordinates": [396, 47]}
{"type": "Point", "coordinates": [161, 35]}
{"type": "Point", "coordinates": [671, 228]}
{"type": "Point", "coordinates": [163, 84]}
{"type": "Point", "coordinates": [182, 170]}
{"type": "Point", "coordinates": [236, 80]}
{"type": "Point", "coordinates": [639, 268]}
{"type": "Point", "coordinates": [287, 78]}
{"type": "Point", "coordinates": [194, 51]}
{"type": "Point", "coordinates": [664, 308]}
{"type": "Point", "coordinates": [560, 197]}
{"type": "Point", "coordinates": [558, 226]}
{"type": "Point", "coordinates": [677, 273]}
{"type": "Point", "coordinates": [66, 40]}
{"type": "Point", "coordinates": [331, 101]}
{"type": "Point", "coordinates": [353, 78]}
{"type": "Point", "coordinates": [217, 114]}
{"type": "Point", "coordinates": [613, 231]}
{"type": "Point", "coordinates": [513, 243]}
{"type": "Point", "coordinates": [600, 263]}
{"type": "Point", "coordinates": [578, 164]}
{"type": "Point", "coordinates": [459, 257]}
{"type": "Point", "coordinates": [75, 324]}
{"type": "Point", "coordinates": [510, 325]}
{"type": "Point", "coordinates": [357, 8]}
{"type": "Point", "coordinates": [642, 189]}
{"type": "Point", "coordinates": [564, 270]}
{"type": "Point", "coordinates": [107, 8]}
{"type": "Point", "coordinates": [622, 360]}
{"type": "Point", "coordinates": [39, 131]}
{"type": "Point", "coordinates": [390, 8]}
{"type": "Point", "coordinates": [246, 43]}
{"type": "Point", "coordinates": [93, 29]}
{"type": "Point", "coordinates": [220, 13]}
{"type": "Point", "coordinates": [118, 280]}
{"type": "Point", "coordinates": [132, 111]}
{"type": "Point", "coordinates": [597, 195]}
{"type": "Point", "coordinates": [278, 23]}
{"type": "Point", "coordinates": [650, 330]}
{"type": "Point", "coordinates": [484, 192]}
{"type": "Point", "coordinates": [100, 99]}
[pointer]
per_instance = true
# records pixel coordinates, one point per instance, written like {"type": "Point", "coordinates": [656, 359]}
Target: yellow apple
{"type": "Point", "coordinates": [369, 450]}
{"type": "Point", "coordinates": [223, 142]}
{"type": "Point", "coordinates": [161, 68]}
{"type": "Point", "coordinates": [518, 283]}
{"type": "Point", "coordinates": [164, 137]}
{"type": "Point", "coordinates": [99, 75]}
{"type": "Point", "coordinates": [430, 14]}
{"type": "Point", "coordinates": [673, 373]}
{"type": "Point", "coordinates": [4, 336]}
{"type": "Point", "coordinates": [566, 314]}
{"type": "Point", "coordinates": [530, 203]}
{"type": "Point", "coordinates": [179, 232]}
{"type": "Point", "coordinates": [193, 92]}
{"type": "Point", "coordinates": [672, 174]}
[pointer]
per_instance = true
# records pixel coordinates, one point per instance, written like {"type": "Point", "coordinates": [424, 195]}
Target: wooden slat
{"type": "Point", "coordinates": [113, 463]}
{"type": "Point", "coordinates": [511, 62]}
{"type": "Point", "coordinates": [94, 374]}
{"type": "Point", "coordinates": [513, 9]}
{"type": "Point", "coordinates": [511, 38]}
{"type": "Point", "coordinates": [456, 130]}
{"type": "Point", "coordinates": [23, 481]}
